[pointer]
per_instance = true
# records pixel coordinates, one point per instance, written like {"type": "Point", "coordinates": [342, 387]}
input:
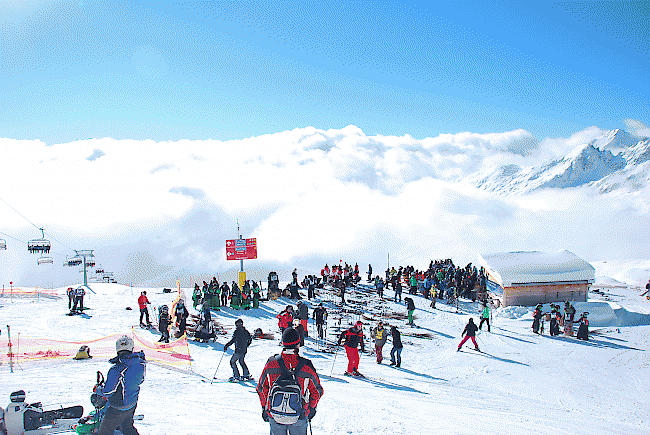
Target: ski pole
{"type": "Point", "coordinates": [215, 372]}
{"type": "Point", "coordinates": [334, 362]}
{"type": "Point", "coordinates": [311, 431]}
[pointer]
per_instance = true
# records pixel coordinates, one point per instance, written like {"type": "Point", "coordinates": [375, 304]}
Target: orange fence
{"type": "Point", "coordinates": [23, 349]}
{"type": "Point", "coordinates": [17, 292]}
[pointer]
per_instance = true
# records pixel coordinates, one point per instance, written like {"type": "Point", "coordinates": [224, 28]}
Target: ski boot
{"type": "Point", "coordinates": [234, 379]}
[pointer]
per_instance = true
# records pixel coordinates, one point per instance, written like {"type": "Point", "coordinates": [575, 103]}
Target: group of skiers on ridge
{"type": "Point", "coordinates": [217, 296]}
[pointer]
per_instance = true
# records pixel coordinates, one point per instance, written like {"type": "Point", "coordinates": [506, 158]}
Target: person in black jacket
{"type": "Point", "coordinates": [320, 313]}
{"type": "Point", "coordinates": [181, 314]}
{"type": "Point", "coordinates": [397, 347]}
{"type": "Point", "coordinates": [470, 330]}
{"type": "Point", "coordinates": [410, 307]}
{"type": "Point", "coordinates": [242, 339]}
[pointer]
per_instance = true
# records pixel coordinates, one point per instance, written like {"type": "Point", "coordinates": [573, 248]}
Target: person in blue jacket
{"type": "Point", "coordinates": [122, 388]}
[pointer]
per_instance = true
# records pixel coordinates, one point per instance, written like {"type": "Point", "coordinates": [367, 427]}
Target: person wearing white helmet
{"type": "Point", "coordinates": [122, 388]}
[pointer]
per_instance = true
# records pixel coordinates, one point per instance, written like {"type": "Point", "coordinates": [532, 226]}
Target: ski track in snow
{"type": "Point", "coordinates": [523, 383]}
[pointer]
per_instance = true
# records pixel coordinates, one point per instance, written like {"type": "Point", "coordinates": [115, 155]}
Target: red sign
{"type": "Point", "coordinates": [241, 249]}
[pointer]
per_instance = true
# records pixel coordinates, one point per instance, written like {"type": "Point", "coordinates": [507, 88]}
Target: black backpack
{"type": "Point", "coordinates": [286, 402]}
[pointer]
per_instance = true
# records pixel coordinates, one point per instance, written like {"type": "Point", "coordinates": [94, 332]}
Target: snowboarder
{"type": "Point", "coordinates": [144, 311]}
{"type": "Point", "coordinates": [289, 389]}
{"type": "Point", "coordinates": [122, 388]}
{"type": "Point", "coordinates": [410, 307]}
{"type": "Point", "coordinates": [285, 318]}
{"type": "Point", "coordinates": [242, 339]}
{"type": "Point", "coordinates": [163, 323]}
{"type": "Point", "coordinates": [319, 315]}
{"type": "Point", "coordinates": [569, 313]}
{"type": "Point", "coordinates": [303, 315]}
{"type": "Point", "coordinates": [381, 335]}
{"type": "Point", "coordinates": [396, 351]}
{"type": "Point", "coordinates": [470, 330]}
{"type": "Point", "coordinates": [485, 317]}
{"type": "Point", "coordinates": [537, 316]}
{"type": "Point", "coordinates": [583, 329]}
{"type": "Point", "coordinates": [353, 338]}
{"type": "Point", "coordinates": [181, 314]}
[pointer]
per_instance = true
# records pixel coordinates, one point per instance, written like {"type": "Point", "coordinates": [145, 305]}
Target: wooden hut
{"type": "Point", "coordinates": [529, 278]}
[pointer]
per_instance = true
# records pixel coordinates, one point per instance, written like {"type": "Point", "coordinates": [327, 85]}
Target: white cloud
{"type": "Point", "coordinates": [637, 128]}
{"type": "Point", "coordinates": [304, 194]}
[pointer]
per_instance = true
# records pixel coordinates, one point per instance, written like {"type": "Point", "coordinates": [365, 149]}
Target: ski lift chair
{"type": "Point", "coordinates": [90, 262]}
{"type": "Point", "coordinates": [3, 244]}
{"type": "Point", "coordinates": [45, 260]}
{"type": "Point", "coordinates": [39, 245]}
{"type": "Point", "coordinates": [74, 261]}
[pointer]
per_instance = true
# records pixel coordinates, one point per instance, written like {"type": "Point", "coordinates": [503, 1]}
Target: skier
{"type": "Point", "coordinates": [554, 329]}
{"type": "Point", "coordinates": [342, 290]}
{"type": "Point", "coordinates": [379, 285]}
{"type": "Point", "coordinates": [303, 315]}
{"type": "Point", "coordinates": [122, 388]}
{"type": "Point", "coordinates": [225, 290]}
{"type": "Point", "coordinates": [485, 317]}
{"type": "Point", "coordinates": [163, 323]}
{"type": "Point", "coordinates": [319, 315]}
{"type": "Point", "coordinates": [242, 339]}
{"type": "Point", "coordinates": [396, 351]}
{"type": "Point", "coordinates": [196, 295]}
{"type": "Point", "coordinates": [206, 315]}
{"type": "Point", "coordinates": [434, 296]}
{"type": "Point", "coordinates": [569, 313]}
{"type": "Point", "coordinates": [397, 286]}
{"type": "Point", "coordinates": [410, 306]}
{"type": "Point", "coordinates": [79, 293]}
{"type": "Point", "coordinates": [353, 338]}
{"type": "Point", "coordinates": [289, 389]}
{"type": "Point", "coordinates": [583, 329]}
{"type": "Point", "coordinates": [470, 330]}
{"type": "Point", "coordinates": [70, 293]}
{"type": "Point", "coordinates": [380, 339]}
{"type": "Point", "coordinates": [413, 281]}
{"type": "Point", "coordinates": [181, 314]}
{"type": "Point", "coordinates": [369, 273]}
{"type": "Point", "coordinates": [297, 325]}
{"type": "Point", "coordinates": [537, 316]}
{"type": "Point", "coordinates": [285, 318]}
{"type": "Point", "coordinates": [144, 311]}
{"type": "Point", "coordinates": [216, 299]}
{"type": "Point", "coordinates": [256, 295]}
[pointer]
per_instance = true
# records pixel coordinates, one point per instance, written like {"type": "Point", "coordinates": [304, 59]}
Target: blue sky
{"type": "Point", "coordinates": [172, 70]}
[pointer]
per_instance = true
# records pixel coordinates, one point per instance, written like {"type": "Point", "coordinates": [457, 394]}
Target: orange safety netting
{"type": "Point", "coordinates": [23, 349]}
{"type": "Point", "coordinates": [17, 292]}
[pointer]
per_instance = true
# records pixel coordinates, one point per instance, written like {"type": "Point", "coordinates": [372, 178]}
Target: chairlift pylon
{"type": "Point", "coordinates": [39, 245]}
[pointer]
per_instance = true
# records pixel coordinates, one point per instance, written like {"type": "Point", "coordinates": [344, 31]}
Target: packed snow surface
{"type": "Point", "coordinates": [522, 384]}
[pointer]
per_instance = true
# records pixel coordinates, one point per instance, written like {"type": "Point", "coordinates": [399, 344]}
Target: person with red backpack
{"type": "Point", "coordinates": [353, 338]}
{"type": "Point", "coordinates": [289, 389]}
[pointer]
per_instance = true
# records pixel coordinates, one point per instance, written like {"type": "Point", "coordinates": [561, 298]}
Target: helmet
{"type": "Point", "coordinates": [359, 323]}
{"type": "Point", "coordinates": [17, 396]}
{"type": "Point", "coordinates": [239, 322]}
{"type": "Point", "coordinates": [124, 343]}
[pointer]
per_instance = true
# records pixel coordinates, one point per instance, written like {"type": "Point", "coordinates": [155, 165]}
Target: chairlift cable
{"type": "Point", "coordinates": [54, 238]}
{"type": "Point", "coordinates": [9, 205]}
{"type": "Point", "coordinates": [11, 237]}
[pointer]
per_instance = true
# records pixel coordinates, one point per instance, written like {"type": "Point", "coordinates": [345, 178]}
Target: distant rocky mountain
{"type": "Point", "coordinates": [615, 161]}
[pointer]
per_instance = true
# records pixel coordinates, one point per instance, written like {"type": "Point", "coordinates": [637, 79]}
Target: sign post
{"type": "Point", "coordinates": [241, 249]}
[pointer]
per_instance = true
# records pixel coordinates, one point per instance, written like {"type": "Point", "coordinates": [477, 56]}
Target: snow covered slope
{"type": "Point", "coordinates": [522, 384]}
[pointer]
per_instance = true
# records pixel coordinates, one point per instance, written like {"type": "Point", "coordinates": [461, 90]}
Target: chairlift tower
{"type": "Point", "coordinates": [85, 257]}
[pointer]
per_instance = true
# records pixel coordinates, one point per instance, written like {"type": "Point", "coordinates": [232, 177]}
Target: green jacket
{"type": "Point", "coordinates": [486, 313]}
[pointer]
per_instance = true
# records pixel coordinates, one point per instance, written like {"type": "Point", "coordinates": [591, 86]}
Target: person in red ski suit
{"type": "Point", "coordinates": [306, 377]}
{"type": "Point", "coordinates": [144, 312]}
{"type": "Point", "coordinates": [353, 338]}
{"type": "Point", "coordinates": [285, 318]}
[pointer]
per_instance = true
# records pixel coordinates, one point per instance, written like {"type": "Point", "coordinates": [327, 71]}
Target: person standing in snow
{"type": "Point", "coordinates": [285, 318]}
{"type": "Point", "coordinates": [369, 273]}
{"type": "Point", "coordinates": [181, 314]}
{"type": "Point", "coordinates": [319, 315]}
{"type": "Point", "coordinates": [569, 313]}
{"type": "Point", "coordinates": [396, 351]}
{"type": "Point", "coordinates": [410, 307]}
{"type": "Point", "coordinates": [353, 338]}
{"type": "Point", "coordinates": [583, 329]}
{"type": "Point", "coordinates": [163, 323]}
{"type": "Point", "coordinates": [485, 317]}
{"type": "Point", "coordinates": [292, 418]}
{"type": "Point", "coordinates": [397, 285]}
{"type": "Point", "coordinates": [303, 315]}
{"type": "Point", "coordinates": [379, 286]}
{"type": "Point", "coordinates": [381, 335]}
{"type": "Point", "coordinates": [70, 293]}
{"type": "Point", "coordinates": [537, 317]}
{"type": "Point", "coordinates": [242, 339]}
{"type": "Point", "coordinates": [470, 330]}
{"type": "Point", "coordinates": [144, 311]}
{"type": "Point", "coordinates": [122, 388]}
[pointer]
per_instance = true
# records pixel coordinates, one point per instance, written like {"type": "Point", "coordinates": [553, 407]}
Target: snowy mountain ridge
{"type": "Point", "coordinates": [616, 161]}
